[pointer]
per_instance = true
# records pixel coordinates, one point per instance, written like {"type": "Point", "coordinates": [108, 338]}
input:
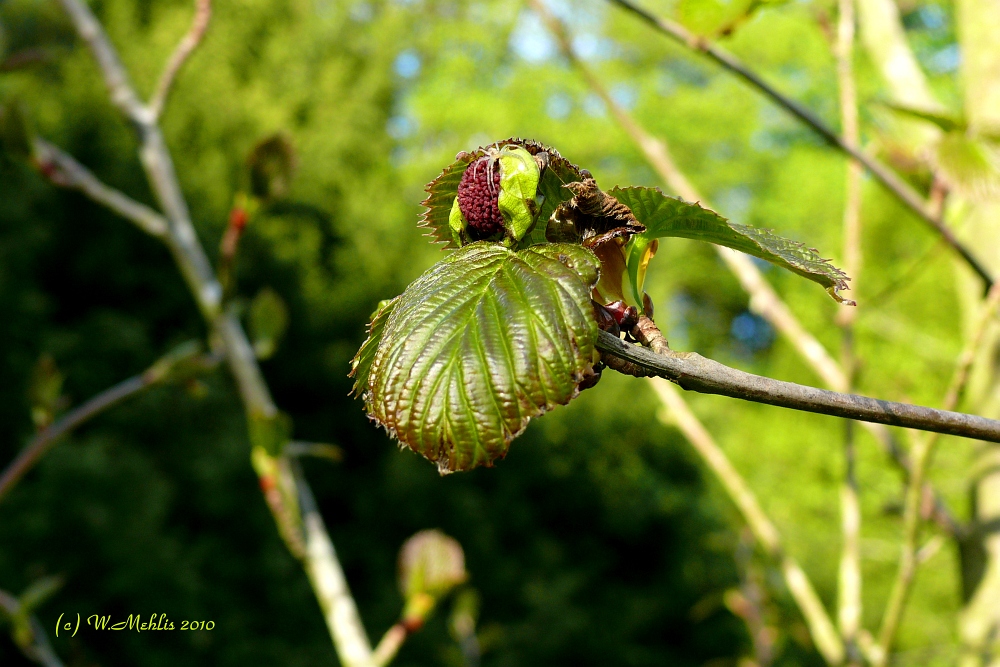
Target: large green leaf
{"type": "Point", "coordinates": [669, 216]}
{"type": "Point", "coordinates": [441, 192]}
{"type": "Point", "coordinates": [478, 345]}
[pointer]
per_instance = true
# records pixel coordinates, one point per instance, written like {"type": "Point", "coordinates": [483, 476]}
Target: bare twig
{"type": "Point", "coordinates": [66, 172]}
{"type": "Point", "coordinates": [763, 299]}
{"type": "Point", "coordinates": [321, 563]}
{"type": "Point", "coordinates": [916, 490]}
{"type": "Point", "coordinates": [694, 372]}
{"type": "Point", "coordinates": [202, 14]}
{"type": "Point", "coordinates": [849, 602]}
{"type": "Point", "coordinates": [40, 650]}
{"type": "Point", "coordinates": [821, 628]}
{"type": "Point", "coordinates": [47, 437]}
{"type": "Point", "coordinates": [888, 178]}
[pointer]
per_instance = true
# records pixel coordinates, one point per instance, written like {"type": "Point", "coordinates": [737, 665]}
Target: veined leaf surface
{"type": "Point", "coordinates": [478, 345]}
{"type": "Point", "coordinates": [669, 216]}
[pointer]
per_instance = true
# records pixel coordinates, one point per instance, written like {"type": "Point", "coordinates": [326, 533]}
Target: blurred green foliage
{"type": "Point", "coordinates": [597, 541]}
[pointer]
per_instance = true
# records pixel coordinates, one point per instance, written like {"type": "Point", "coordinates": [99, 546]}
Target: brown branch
{"type": "Point", "coordinates": [693, 372]}
{"type": "Point", "coordinates": [763, 299]}
{"type": "Point", "coordinates": [883, 174]}
{"type": "Point", "coordinates": [202, 14]}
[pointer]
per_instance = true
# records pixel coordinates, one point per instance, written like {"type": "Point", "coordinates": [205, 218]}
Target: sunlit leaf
{"type": "Point", "coordinates": [478, 345]}
{"type": "Point", "coordinates": [518, 187]}
{"type": "Point", "coordinates": [668, 216]}
{"type": "Point", "coordinates": [441, 192]}
{"type": "Point", "coordinates": [362, 361]}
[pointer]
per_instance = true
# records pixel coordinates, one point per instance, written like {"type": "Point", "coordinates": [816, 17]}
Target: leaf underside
{"type": "Point", "coordinates": [478, 345]}
{"type": "Point", "coordinates": [441, 192]}
{"type": "Point", "coordinates": [669, 216]}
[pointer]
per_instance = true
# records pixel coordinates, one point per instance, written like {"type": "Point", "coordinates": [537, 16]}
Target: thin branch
{"type": "Point", "coordinates": [40, 650]}
{"type": "Point", "coordinates": [916, 490]}
{"type": "Point", "coordinates": [321, 561]}
{"type": "Point", "coordinates": [888, 178]}
{"type": "Point", "coordinates": [202, 14]}
{"type": "Point", "coordinates": [45, 439]}
{"type": "Point", "coordinates": [849, 601]}
{"type": "Point", "coordinates": [327, 577]}
{"type": "Point", "coordinates": [694, 372]}
{"type": "Point", "coordinates": [66, 172]}
{"type": "Point", "coordinates": [821, 628]}
{"type": "Point", "coordinates": [763, 299]}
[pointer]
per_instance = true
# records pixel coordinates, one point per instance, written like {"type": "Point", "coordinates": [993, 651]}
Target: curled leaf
{"type": "Point", "coordinates": [478, 345]}
{"type": "Point", "coordinates": [518, 187]}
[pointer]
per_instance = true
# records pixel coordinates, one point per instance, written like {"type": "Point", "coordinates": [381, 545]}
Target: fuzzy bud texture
{"type": "Point", "coordinates": [477, 197]}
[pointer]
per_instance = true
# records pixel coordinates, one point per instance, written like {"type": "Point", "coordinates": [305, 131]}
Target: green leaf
{"type": "Point", "coordinates": [638, 255]}
{"type": "Point", "coordinates": [441, 192]}
{"type": "Point", "coordinates": [669, 216]}
{"type": "Point", "coordinates": [362, 361]}
{"type": "Point", "coordinates": [268, 321]}
{"type": "Point", "coordinates": [518, 187]}
{"type": "Point", "coordinates": [478, 345]}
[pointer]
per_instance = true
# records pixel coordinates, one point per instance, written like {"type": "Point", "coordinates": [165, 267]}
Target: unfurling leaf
{"type": "Point", "coordinates": [442, 191]}
{"type": "Point", "coordinates": [639, 255]}
{"type": "Point", "coordinates": [668, 216]}
{"type": "Point", "coordinates": [430, 563]}
{"type": "Point", "coordinates": [478, 345]}
{"type": "Point", "coordinates": [268, 321]}
{"type": "Point", "coordinates": [518, 187]}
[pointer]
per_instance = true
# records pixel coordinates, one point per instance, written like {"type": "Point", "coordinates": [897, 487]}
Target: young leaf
{"type": "Point", "coordinates": [669, 216]}
{"type": "Point", "coordinates": [362, 362]}
{"type": "Point", "coordinates": [441, 192]}
{"type": "Point", "coordinates": [478, 345]}
{"type": "Point", "coordinates": [518, 187]}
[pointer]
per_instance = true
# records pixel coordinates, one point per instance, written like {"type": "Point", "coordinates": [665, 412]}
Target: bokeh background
{"type": "Point", "coordinates": [600, 540]}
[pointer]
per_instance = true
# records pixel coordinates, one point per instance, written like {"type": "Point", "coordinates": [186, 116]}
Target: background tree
{"type": "Point", "coordinates": [596, 539]}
